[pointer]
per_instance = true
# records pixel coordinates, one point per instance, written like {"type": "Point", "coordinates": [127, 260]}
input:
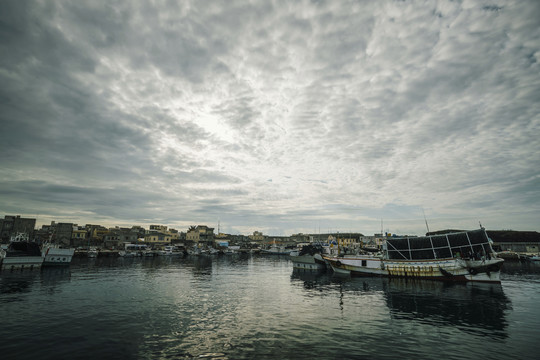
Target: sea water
{"type": "Point", "coordinates": [258, 307]}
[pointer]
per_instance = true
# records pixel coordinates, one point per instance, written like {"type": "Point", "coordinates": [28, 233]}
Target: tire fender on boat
{"type": "Point", "coordinates": [473, 271]}
{"type": "Point", "coordinates": [493, 267]}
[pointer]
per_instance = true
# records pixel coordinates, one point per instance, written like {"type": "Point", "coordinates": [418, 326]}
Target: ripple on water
{"type": "Point", "coordinates": [259, 307]}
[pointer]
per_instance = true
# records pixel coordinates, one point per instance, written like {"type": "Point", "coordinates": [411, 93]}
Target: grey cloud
{"type": "Point", "coordinates": [136, 110]}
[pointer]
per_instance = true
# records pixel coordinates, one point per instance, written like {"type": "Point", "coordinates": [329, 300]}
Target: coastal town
{"type": "Point", "coordinates": [110, 240]}
{"type": "Point", "coordinates": [157, 237]}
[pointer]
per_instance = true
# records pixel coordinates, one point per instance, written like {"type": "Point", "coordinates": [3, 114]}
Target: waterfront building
{"type": "Point", "coordinates": [63, 233]}
{"type": "Point", "coordinates": [201, 235]}
{"type": "Point", "coordinates": [12, 225]}
{"type": "Point", "coordinates": [300, 238]}
{"type": "Point", "coordinates": [158, 238]}
{"type": "Point", "coordinates": [280, 240]}
{"type": "Point", "coordinates": [175, 235]}
{"type": "Point", "coordinates": [257, 236]}
{"type": "Point", "coordinates": [231, 239]}
{"type": "Point", "coordinates": [158, 228]}
{"type": "Point", "coordinates": [117, 236]}
{"type": "Point", "coordinates": [45, 234]}
{"type": "Point", "coordinates": [78, 234]}
{"type": "Point", "coordinates": [348, 242]}
{"type": "Point", "coordinates": [96, 233]}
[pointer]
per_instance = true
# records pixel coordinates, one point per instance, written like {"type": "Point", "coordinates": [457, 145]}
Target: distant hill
{"type": "Point", "coordinates": [501, 235]}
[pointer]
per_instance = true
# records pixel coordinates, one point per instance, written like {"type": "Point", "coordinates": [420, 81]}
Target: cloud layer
{"type": "Point", "coordinates": [274, 116]}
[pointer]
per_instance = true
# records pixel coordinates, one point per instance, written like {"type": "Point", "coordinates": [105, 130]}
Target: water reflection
{"type": "Point", "coordinates": [470, 306]}
{"type": "Point", "coordinates": [16, 283]}
{"type": "Point", "coordinates": [53, 276]}
{"type": "Point", "coordinates": [473, 307]}
{"type": "Point", "coordinates": [521, 268]}
{"type": "Point", "coordinates": [311, 279]}
{"type": "Point", "coordinates": [201, 266]}
{"type": "Point", "coordinates": [240, 259]}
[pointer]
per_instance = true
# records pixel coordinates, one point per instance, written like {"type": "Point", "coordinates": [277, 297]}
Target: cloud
{"type": "Point", "coordinates": [143, 112]}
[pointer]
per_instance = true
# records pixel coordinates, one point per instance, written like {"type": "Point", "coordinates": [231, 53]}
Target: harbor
{"type": "Point", "coordinates": [269, 180]}
{"type": "Point", "coordinates": [249, 306]}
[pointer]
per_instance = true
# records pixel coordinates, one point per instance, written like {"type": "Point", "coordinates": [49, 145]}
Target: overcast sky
{"type": "Point", "coordinates": [275, 116]}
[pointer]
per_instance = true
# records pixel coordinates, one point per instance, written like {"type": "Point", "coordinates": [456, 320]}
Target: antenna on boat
{"type": "Point", "coordinates": [425, 219]}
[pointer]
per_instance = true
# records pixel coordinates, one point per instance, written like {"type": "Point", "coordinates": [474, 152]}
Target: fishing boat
{"type": "Point", "coordinates": [275, 250]}
{"type": "Point", "coordinates": [308, 257]}
{"type": "Point", "coordinates": [461, 256]}
{"type": "Point", "coordinates": [93, 252]}
{"type": "Point", "coordinates": [127, 254]}
{"type": "Point", "coordinates": [132, 250]}
{"type": "Point", "coordinates": [21, 254]}
{"type": "Point", "coordinates": [54, 255]}
{"type": "Point", "coordinates": [169, 251]}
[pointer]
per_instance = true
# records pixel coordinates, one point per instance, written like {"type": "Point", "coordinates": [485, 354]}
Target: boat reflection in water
{"type": "Point", "coordinates": [54, 276]}
{"type": "Point", "coordinates": [470, 307]}
{"type": "Point", "coordinates": [311, 278]}
{"type": "Point", "coordinates": [477, 308]}
{"type": "Point", "coordinates": [525, 269]}
{"type": "Point", "coordinates": [17, 283]}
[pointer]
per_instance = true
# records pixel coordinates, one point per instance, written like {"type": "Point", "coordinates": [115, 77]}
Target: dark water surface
{"type": "Point", "coordinates": [256, 307]}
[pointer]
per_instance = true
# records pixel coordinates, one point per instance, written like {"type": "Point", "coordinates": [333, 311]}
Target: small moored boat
{"type": "Point", "coordinates": [93, 252]}
{"type": "Point", "coordinates": [308, 257]}
{"type": "Point", "coordinates": [54, 255]}
{"type": "Point", "coordinates": [21, 254]}
{"type": "Point", "coordinates": [275, 250]}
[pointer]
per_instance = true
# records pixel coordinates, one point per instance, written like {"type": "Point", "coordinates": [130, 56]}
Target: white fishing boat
{"type": "Point", "coordinates": [149, 253]}
{"type": "Point", "coordinates": [93, 252]}
{"type": "Point", "coordinates": [127, 253]}
{"type": "Point", "coordinates": [21, 254]}
{"type": "Point", "coordinates": [169, 251]}
{"type": "Point", "coordinates": [275, 250]}
{"type": "Point", "coordinates": [54, 255]}
{"type": "Point", "coordinates": [132, 250]}
{"type": "Point", "coordinates": [195, 251]}
{"type": "Point", "coordinates": [231, 250]}
{"type": "Point", "coordinates": [462, 256]}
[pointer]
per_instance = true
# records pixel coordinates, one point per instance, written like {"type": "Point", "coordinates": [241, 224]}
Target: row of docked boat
{"type": "Point", "coordinates": [21, 254]}
{"type": "Point", "coordinates": [131, 251]}
{"type": "Point", "coordinates": [459, 257]}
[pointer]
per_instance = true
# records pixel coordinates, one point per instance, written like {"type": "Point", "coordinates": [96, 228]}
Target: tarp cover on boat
{"type": "Point", "coordinates": [468, 244]}
{"type": "Point", "coordinates": [23, 249]}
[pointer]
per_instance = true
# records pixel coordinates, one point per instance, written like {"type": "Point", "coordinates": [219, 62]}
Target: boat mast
{"type": "Point", "coordinates": [425, 219]}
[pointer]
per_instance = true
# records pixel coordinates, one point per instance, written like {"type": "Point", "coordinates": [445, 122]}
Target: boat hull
{"type": "Point", "coordinates": [456, 270]}
{"type": "Point", "coordinates": [53, 256]}
{"type": "Point", "coordinates": [307, 262]}
{"type": "Point", "coordinates": [22, 263]}
{"type": "Point", "coordinates": [274, 252]}
{"type": "Point", "coordinates": [21, 255]}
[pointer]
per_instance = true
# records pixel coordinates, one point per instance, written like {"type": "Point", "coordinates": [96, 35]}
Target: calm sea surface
{"type": "Point", "coordinates": [256, 307]}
